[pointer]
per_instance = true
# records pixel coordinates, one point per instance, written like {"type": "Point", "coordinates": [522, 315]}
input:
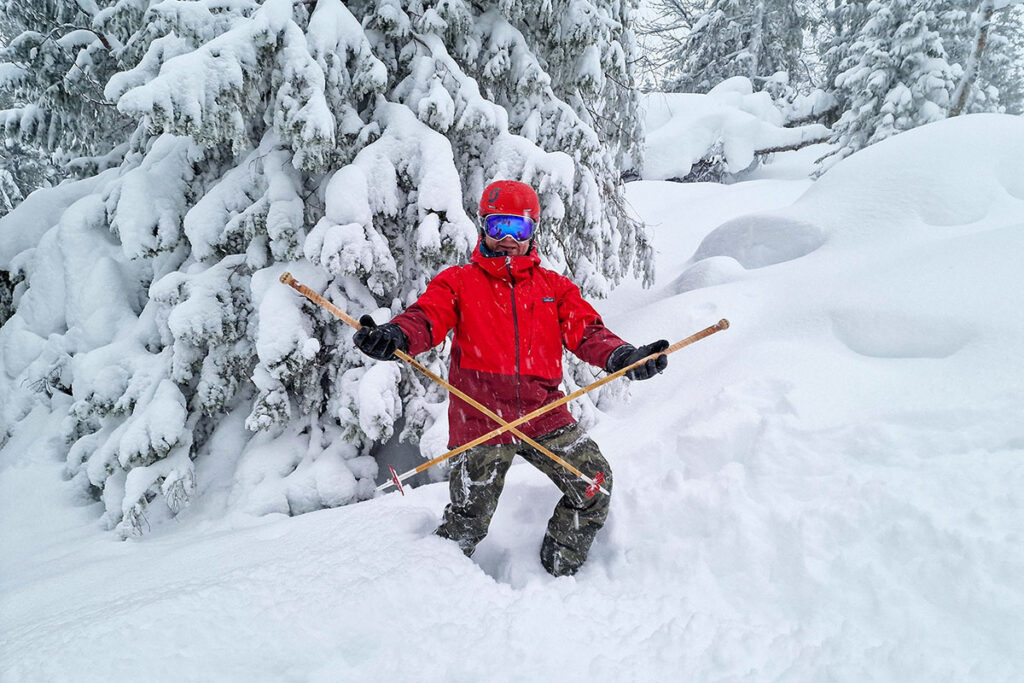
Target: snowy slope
{"type": "Point", "coordinates": [829, 490]}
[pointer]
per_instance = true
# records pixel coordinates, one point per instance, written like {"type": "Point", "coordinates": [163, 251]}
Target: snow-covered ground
{"type": "Point", "coordinates": [830, 490]}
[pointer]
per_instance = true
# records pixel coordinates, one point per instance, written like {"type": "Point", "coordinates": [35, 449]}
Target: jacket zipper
{"type": "Point", "coordinates": [515, 328]}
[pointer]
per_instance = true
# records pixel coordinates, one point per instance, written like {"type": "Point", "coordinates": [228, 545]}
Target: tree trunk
{"type": "Point", "coordinates": [963, 88]}
{"type": "Point", "coordinates": [756, 46]}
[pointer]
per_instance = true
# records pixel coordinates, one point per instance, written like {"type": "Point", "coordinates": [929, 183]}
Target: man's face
{"type": "Point", "coordinates": [507, 245]}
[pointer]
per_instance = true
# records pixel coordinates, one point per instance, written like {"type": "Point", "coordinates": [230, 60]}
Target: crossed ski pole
{"type": "Point", "coordinates": [594, 484]}
{"type": "Point", "coordinates": [510, 426]}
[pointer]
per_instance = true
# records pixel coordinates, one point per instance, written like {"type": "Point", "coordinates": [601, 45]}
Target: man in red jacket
{"type": "Point", "coordinates": [511, 318]}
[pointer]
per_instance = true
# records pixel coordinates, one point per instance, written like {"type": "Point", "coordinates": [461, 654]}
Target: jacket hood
{"type": "Point", "coordinates": [506, 267]}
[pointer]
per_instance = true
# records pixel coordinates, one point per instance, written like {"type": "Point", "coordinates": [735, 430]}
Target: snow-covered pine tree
{"type": "Point", "coordinates": [756, 39]}
{"type": "Point", "coordinates": [53, 67]}
{"type": "Point", "coordinates": [843, 22]}
{"type": "Point", "coordinates": [347, 143]}
{"type": "Point", "coordinates": [896, 75]}
{"type": "Point", "coordinates": [1002, 65]}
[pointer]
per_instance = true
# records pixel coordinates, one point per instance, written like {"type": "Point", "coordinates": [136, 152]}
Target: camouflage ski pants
{"type": "Point", "coordinates": [478, 476]}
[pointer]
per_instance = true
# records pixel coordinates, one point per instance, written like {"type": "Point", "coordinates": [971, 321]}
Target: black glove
{"type": "Point", "coordinates": [628, 354]}
{"type": "Point", "coordinates": [380, 342]}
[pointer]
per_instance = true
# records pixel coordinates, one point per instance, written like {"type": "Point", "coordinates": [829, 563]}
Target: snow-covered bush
{"type": "Point", "coordinates": [717, 136]}
{"type": "Point", "coordinates": [346, 143]}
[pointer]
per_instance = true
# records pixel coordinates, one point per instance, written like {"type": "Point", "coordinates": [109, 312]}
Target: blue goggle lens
{"type": "Point", "coordinates": [498, 226]}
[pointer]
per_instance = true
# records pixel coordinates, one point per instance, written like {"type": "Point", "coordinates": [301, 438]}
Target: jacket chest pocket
{"type": "Point", "coordinates": [544, 346]}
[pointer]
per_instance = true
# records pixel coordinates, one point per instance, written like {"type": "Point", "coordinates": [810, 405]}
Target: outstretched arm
{"type": "Point", "coordinates": [584, 333]}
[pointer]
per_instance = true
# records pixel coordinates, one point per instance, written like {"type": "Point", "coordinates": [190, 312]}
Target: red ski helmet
{"type": "Point", "coordinates": [510, 197]}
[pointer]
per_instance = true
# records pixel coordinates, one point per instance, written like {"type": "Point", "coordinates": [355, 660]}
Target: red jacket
{"type": "Point", "coordinates": [511, 319]}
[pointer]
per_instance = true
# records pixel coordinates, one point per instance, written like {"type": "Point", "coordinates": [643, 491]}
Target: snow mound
{"type": "Point", "coordinates": [759, 240]}
{"type": "Point", "coordinates": [711, 271]}
{"type": "Point", "coordinates": [952, 172]}
{"type": "Point", "coordinates": [881, 334]}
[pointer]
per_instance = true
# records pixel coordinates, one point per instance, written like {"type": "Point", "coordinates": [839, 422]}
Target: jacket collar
{"type": "Point", "coordinates": [514, 268]}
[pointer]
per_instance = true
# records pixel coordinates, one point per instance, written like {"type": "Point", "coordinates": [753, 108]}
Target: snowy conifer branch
{"type": "Point", "coordinates": [71, 27]}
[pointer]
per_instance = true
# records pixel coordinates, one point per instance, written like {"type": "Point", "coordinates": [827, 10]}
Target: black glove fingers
{"type": "Point", "coordinates": [650, 368]}
{"type": "Point", "coordinates": [376, 344]}
{"type": "Point", "coordinates": [655, 347]}
{"type": "Point", "coordinates": [380, 341]}
{"type": "Point", "coordinates": [646, 370]}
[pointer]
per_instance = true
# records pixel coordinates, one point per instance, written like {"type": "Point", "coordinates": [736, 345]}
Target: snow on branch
{"type": "Point", "coordinates": [214, 108]}
{"type": "Point", "coordinates": [729, 128]}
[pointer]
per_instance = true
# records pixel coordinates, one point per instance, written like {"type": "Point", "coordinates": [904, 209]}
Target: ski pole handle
{"type": "Point", "coordinates": [722, 324]}
{"type": "Point", "coordinates": [286, 278]}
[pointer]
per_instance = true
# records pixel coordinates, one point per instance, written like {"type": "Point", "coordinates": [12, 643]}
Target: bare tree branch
{"type": "Point", "coordinates": [791, 148]}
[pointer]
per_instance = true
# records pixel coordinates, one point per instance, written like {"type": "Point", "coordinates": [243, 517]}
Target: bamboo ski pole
{"type": "Point", "coordinates": [722, 324]}
{"type": "Point", "coordinates": [316, 298]}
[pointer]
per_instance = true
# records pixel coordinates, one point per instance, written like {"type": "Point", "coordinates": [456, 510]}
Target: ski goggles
{"type": "Point", "coordinates": [498, 226]}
